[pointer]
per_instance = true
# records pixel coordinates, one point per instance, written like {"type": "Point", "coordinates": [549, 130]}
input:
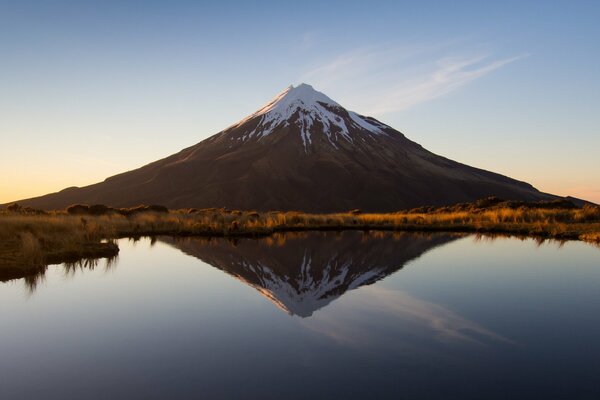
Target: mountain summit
{"type": "Point", "coordinates": [301, 151]}
{"type": "Point", "coordinates": [313, 113]}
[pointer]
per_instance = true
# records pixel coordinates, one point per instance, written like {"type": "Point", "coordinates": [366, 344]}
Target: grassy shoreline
{"type": "Point", "coordinates": [30, 238]}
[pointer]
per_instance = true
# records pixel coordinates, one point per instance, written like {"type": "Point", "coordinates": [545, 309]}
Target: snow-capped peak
{"type": "Point", "coordinates": [312, 112]}
{"type": "Point", "coordinates": [292, 98]}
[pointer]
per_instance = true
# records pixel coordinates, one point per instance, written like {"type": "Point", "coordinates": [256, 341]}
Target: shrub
{"type": "Point", "coordinates": [488, 202]}
{"type": "Point", "coordinates": [157, 208]}
{"type": "Point", "coordinates": [559, 204]}
{"type": "Point", "coordinates": [99, 209]}
{"type": "Point", "coordinates": [142, 208]}
{"type": "Point", "coordinates": [77, 209]}
{"type": "Point", "coordinates": [421, 210]}
{"type": "Point", "coordinates": [31, 210]}
{"type": "Point", "coordinates": [15, 207]}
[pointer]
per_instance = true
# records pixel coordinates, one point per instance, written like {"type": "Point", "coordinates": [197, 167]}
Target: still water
{"type": "Point", "coordinates": [311, 315]}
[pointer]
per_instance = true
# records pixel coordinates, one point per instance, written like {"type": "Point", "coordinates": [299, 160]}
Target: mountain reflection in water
{"type": "Point", "coordinates": [300, 272]}
{"type": "Point", "coordinates": [471, 320]}
{"type": "Point", "coordinates": [303, 272]}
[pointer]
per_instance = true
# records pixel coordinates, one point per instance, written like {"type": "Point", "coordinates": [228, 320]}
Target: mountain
{"type": "Point", "coordinates": [303, 272]}
{"type": "Point", "coordinates": [301, 151]}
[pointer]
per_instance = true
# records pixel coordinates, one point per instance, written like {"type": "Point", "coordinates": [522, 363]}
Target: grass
{"type": "Point", "coordinates": [31, 238]}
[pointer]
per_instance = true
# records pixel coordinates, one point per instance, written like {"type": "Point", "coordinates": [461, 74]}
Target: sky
{"type": "Point", "coordinates": [91, 89]}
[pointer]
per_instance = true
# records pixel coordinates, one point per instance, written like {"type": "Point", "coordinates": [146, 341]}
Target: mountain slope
{"type": "Point", "coordinates": [301, 151]}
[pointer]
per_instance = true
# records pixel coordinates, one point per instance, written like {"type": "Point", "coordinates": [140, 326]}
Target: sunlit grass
{"type": "Point", "coordinates": [31, 238]}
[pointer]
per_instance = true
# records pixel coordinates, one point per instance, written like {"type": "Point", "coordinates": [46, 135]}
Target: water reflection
{"type": "Point", "coordinates": [33, 277]}
{"type": "Point", "coordinates": [352, 323]}
{"type": "Point", "coordinates": [470, 320]}
{"type": "Point", "coordinates": [300, 272]}
{"type": "Point", "coordinates": [303, 272]}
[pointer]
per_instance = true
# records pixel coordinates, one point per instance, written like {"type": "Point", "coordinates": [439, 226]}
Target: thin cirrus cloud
{"type": "Point", "coordinates": [391, 80]}
{"type": "Point", "coordinates": [416, 318]}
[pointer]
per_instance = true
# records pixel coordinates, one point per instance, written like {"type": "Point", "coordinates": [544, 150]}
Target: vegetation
{"type": "Point", "coordinates": [32, 238]}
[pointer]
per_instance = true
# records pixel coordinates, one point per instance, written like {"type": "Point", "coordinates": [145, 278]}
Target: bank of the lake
{"type": "Point", "coordinates": [32, 238]}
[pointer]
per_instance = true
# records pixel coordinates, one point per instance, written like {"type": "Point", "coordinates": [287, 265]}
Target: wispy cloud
{"type": "Point", "coordinates": [348, 321]}
{"type": "Point", "coordinates": [308, 40]}
{"type": "Point", "coordinates": [386, 80]}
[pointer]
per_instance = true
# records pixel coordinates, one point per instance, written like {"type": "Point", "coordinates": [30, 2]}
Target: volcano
{"type": "Point", "coordinates": [301, 151]}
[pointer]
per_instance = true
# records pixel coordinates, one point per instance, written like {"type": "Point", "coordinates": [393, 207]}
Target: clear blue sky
{"type": "Point", "coordinates": [90, 89]}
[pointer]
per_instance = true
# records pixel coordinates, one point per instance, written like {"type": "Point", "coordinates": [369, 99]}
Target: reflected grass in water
{"type": "Point", "coordinates": [34, 277]}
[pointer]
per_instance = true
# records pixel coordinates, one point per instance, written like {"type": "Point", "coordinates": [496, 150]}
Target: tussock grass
{"type": "Point", "coordinates": [34, 239]}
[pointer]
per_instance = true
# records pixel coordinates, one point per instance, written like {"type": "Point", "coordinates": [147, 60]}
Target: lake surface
{"type": "Point", "coordinates": [311, 315]}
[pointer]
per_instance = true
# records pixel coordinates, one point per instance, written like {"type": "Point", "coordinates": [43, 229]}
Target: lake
{"type": "Point", "coordinates": [309, 315]}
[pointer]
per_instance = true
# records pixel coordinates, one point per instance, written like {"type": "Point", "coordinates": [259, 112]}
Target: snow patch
{"type": "Point", "coordinates": [305, 107]}
{"type": "Point", "coordinates": [303, 294]}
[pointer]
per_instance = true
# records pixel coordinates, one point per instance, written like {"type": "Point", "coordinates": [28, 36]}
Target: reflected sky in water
{"type": "Point", "coordinates": [326, 315]}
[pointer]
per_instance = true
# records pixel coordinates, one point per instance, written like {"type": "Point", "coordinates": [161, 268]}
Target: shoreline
{"type": "Point", "coordinates": [35, 239]}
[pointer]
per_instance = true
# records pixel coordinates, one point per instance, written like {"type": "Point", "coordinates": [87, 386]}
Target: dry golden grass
{"type": "Point", "coordinates": [29, 239]}
{"type": "Point", "coordinates": [34, 240]}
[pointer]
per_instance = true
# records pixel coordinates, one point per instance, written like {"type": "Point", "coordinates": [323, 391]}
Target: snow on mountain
{"type": "Point", "coordinates": [304, 294]}
{"type": "Point", "coordinates": [311, 111]}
